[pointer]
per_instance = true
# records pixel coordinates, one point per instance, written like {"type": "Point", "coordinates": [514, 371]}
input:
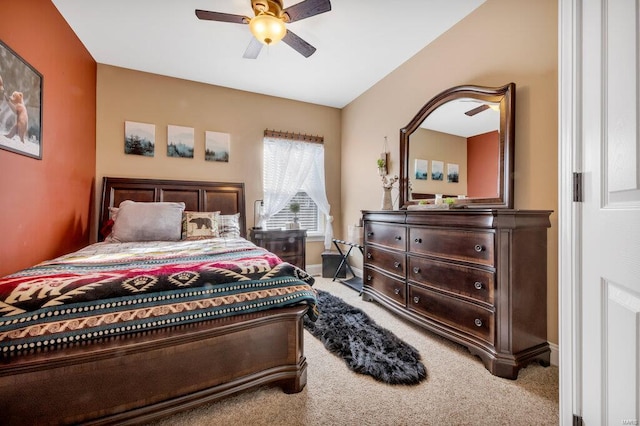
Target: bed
{"type": "Point", "coordinates": [126, 332]}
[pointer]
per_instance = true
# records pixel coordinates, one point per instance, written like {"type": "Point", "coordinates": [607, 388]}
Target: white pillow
{"type": "Point", "coordinates": [137, 221]}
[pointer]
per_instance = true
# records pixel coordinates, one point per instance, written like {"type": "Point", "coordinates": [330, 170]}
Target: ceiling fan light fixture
{"type": "Point", "coordinates": [267, 28]}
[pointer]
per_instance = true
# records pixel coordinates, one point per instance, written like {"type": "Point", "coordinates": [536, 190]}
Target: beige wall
{"type": "Point", "coordinates": [430, 145]}
{"type": "Point", "coordinates": [126, 95]}
{"type": "Point", "coordinates": [500, 42]}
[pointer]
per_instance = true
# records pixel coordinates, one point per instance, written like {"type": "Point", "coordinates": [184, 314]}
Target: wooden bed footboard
{"type": "Point", "coordinates": [131, 379]}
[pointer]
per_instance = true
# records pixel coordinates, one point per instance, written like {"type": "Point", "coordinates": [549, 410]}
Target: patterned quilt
{"type": "Point", "coordinates": [108, 289]}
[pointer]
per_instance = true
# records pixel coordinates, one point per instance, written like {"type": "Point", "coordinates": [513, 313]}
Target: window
{"type": "Point", "coordinates": [294, 171]}
{"type": "Point", "coordinates": [308, 216]}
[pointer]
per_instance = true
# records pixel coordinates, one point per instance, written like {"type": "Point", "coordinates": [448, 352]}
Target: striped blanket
{"type": "Point", "coordinates": [108, 289]}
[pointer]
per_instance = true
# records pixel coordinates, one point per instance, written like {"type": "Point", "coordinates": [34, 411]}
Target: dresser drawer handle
{"type": "Point", "coordinates": [416, 299]}
{"type": "Point", "coordinates": [396, 265]}
{"type": "Point", "coordinates": [284, 248]}
{"type": "Point", "coordinates": [369, 277]}
{"type": "Point", "coordinates": [478, 285]}
{"type": "Point", "coordinates": [369, 256]}
{"type": "Point", "coordinates": [396, 291]}
{"type": "Point", "coordinates": [398, 237]}
{"type": "Point", "coordinates": [369, 234]}
{"type": "Point", "coordinates": [418, 240]}
{"type": "Point", "coordinates": [478, 322]}
{"type": "Point", "coordinates": [416, 270]}
{"type": "Point", "coordinates": [478, 248]}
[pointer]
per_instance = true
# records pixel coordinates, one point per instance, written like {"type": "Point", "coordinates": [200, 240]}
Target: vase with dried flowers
{"type": "Point", "coordinates": [387, 186]}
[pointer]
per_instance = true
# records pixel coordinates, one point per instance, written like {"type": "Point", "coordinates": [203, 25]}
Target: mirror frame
{"type": "Point", "coordinates": [506, 97]}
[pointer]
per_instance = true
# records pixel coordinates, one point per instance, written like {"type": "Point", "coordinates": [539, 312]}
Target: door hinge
{"type": "Point", "coordinates": [577, 187]}
{"type": "Point", "coordinates": [577, 420]}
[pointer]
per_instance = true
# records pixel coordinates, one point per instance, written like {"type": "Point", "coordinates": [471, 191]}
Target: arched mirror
{"type": "Point", "coordinates": [460, 145]}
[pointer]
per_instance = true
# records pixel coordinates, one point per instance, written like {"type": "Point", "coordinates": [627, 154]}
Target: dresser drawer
{"type": "Point", "coordinates": [285, 247]}
{"type": "Point", "coordinates": [470, 282]}
{"type": "Point", "coordinates": [391, 261]}
{"type": "Point", "coordinates": [468, 246]}
{"type": "Point", "coordinates": [392, 236]}
{"type": "Point", "coordinates": [463, 316]}
{"type": "Point", "coordinates": [393, 288]}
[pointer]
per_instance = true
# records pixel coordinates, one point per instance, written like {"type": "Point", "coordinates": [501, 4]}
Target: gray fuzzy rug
{"type": "Point", "coordinates": [366, 347]}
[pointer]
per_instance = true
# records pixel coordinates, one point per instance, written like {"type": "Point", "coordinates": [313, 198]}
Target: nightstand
{"type": "Point", "coordinates": [289, 245]}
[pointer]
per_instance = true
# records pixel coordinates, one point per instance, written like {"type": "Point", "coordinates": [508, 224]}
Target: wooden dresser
{"type": "Point", "coordinates": [475, 276]}
{"type": "Point", "coordinates": [289, 245]}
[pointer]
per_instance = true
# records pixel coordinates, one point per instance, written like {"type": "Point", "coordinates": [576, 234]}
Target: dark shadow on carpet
{"type": "Point", "coordinates": [366, 347]}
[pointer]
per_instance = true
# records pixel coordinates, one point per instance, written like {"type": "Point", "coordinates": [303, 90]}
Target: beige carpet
{"type": "Point", "coordinates": [458, 390]}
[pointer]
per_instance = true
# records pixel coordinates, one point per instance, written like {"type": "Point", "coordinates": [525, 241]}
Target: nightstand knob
{"type": "Point", "coordinates": [369, 256]}
{"type": "Point", "coordinates": [416, 270]}
{"type": "Point", "coordinates": [398, 237]}
{"type": "Point", "coordinates": [284, 248]}
{"type": "Point", "coordinates": [416, 299]}
{"type": "Point", "coordinates": [478, 322]}
{"type": "Point", "coordinates": [478, 285]}
{"type": "Point", "coordinates": [478, 248]}
{"type": "Point", "coordinates": [396, 291]}
{"type": "Point", "coordinates": [418, 240]}
{"type": "Point", "coordinates": [369, 234]}
{"type": "Point", "coordinates": [369, 278]}
{"type": "Point", "coordinates": [396, 265]}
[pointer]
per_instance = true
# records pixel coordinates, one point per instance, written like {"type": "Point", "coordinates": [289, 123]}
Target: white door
{"type": "Point", "coordinates": [607, 327]}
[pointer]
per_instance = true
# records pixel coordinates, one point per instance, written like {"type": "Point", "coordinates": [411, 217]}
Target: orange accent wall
{"type": "Point", "coordinates": [481, 159]}
{"type": "Point", "coordinates": [45, 204]}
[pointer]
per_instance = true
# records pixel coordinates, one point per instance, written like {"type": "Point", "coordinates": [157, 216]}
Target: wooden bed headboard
{"type": "Point", "coordinates": [225, 197]}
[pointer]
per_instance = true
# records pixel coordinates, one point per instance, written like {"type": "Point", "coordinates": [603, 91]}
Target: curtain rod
{"type": "Point", "coordinates": [293, 136]}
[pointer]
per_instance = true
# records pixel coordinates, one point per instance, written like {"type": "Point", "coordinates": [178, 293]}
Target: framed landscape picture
{"type": "Point", "coordinates": [139, 138]}
{"type": "Point", "coordinates": [217, 146]}
{"type": "Point", "coordinates": [421, 169]}
{"type": "Point", "coordinates": [180, 141]}
{"type": "Point", "coordinates": [453, 171]}
{"type": "Point", "coordinates": [20, 105]}
{"type": "Point", "coordinates": [437, 170]}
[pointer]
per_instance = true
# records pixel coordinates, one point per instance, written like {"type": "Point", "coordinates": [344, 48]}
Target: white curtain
{"type": "Point", "coordinates": [292, 166]}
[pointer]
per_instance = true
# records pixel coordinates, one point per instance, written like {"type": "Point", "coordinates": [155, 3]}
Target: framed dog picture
{"type": "Point", "coordinates": [20, 105]}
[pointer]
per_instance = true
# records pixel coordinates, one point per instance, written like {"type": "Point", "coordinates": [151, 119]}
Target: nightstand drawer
{"type": "Point", "coordinates": [289, 245]}
{"type": "Point", "coordinates": [285, 247]}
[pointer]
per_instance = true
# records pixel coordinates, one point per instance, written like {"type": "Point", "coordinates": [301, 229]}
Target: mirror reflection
{"type": "Point", "coordinates": [455, 151]}
{"type": "Point", "coordinates": [460, 145]}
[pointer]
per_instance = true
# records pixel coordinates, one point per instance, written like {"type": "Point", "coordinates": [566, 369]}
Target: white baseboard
{"type": "Point", "coordinates": [555, 354]}
{"type": "Point", "coordinates": [316, 270]}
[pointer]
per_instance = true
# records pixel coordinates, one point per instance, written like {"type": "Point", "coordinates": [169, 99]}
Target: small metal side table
{"type": "Point", "coordinates": [344, 248]}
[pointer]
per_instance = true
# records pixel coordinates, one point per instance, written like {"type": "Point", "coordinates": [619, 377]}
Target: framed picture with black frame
{"type": "Point", "coordinates": [20, 105]}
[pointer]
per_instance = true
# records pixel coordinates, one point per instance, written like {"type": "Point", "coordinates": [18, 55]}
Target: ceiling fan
{"type": "Point", "coordinates": [477, 110]}
{"type": "Point", "coordinates": [268, 24]}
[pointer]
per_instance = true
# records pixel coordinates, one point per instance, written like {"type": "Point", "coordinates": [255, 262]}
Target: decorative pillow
{"type": "Point", "coordinates": [136, 221]}
{"type": "Point", "coordinates": [229, 225]}
{"type": "Point", "coordinates": [200, 225]}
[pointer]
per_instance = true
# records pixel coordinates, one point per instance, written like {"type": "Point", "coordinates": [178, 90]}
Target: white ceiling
{"type": "Point", "coordinates": [451, 118]}
{"type": "Point", "coordinates": [358, 43]}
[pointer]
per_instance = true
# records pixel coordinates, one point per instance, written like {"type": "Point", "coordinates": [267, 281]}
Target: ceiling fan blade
{"type": "Point", "coordinates": [221, 17]}
{"type": "Point", "coordinates": [253, 49]}
{"type": "Point", "coordinates": [306, 9]}
{"type": "Point", "coordinates": [477, 110]}
{"type": "Point", "coordinates": [301, 46]}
